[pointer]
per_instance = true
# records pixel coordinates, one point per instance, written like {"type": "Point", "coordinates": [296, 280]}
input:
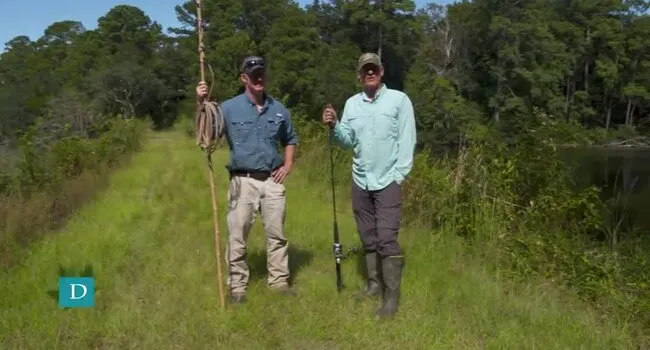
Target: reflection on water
{"type": "Point", "coordinates": [622, 175]}
{"type": "Point", "coordinates": [615, 171]}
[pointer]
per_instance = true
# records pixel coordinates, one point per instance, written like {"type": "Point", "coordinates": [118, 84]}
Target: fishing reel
{"type": "Point", "coordinates": [339, 253]}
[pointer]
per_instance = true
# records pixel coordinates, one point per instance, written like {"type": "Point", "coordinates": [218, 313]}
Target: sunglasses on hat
{"type": "Point", "coordinates": [252, 63]}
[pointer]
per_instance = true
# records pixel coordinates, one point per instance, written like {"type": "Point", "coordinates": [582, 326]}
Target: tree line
{"type": "Point", "coordinates": [496, 63]}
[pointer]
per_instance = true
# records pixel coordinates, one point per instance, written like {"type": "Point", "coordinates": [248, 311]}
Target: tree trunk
{"type": "Point", "coordinates": [608, 116]}
{"type": "Point", "coordinates": [379, 49]}
{"type": "Point", "coordinates": [587, 62]}
{"type": "Point", "coordinates": [567, 97]}
{"type": "Point", "coordinates": [628, 112]}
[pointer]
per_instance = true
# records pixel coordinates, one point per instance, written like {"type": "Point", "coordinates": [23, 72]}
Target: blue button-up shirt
{"type": "Point", "coordinates": [253, 135]}
{"type": "Point", "coordinates": [382, 135]}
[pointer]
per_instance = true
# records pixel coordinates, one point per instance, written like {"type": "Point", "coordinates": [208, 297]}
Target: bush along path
{"type": "Point", "coordinates": [148, 242]}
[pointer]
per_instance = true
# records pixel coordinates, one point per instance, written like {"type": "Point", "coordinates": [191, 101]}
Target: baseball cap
{"type": "Point", "coordinates": [252, 63]}
{"type": "Point", "coordinates": [368, 58]}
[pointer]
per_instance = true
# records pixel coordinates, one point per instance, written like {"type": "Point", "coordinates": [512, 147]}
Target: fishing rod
{"type": "Point", "coordinates": [337, 246]}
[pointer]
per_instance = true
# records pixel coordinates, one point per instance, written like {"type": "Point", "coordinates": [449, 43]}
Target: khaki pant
{"type": "Point", "coordinates": [247, 196]}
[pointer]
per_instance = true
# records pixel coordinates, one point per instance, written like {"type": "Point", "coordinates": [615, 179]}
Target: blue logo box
{"type": "Point", "coordinates": [76, 292]}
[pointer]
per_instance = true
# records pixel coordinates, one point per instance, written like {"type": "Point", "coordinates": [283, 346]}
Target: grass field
{"type": "Point", "coordinates": [149, 241]}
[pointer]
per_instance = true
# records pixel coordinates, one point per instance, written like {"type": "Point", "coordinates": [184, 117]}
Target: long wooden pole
{"type": "Point", "coordinates": [217, 236]}
{"type": "Point", "coordinates": [199, 32]}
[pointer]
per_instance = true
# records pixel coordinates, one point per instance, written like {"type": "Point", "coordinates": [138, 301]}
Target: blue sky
{"type": "Point", "coordinates": [31, 17]}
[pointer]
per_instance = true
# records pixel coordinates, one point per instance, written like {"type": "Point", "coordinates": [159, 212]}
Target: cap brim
{"type": "Point", "coordinates": [253, 69]}
{"type": "Point", "coordinates": [367, 63]}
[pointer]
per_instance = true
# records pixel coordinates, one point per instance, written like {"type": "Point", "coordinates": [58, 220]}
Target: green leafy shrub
{"type": "Point", "coordinates": [54, 177]}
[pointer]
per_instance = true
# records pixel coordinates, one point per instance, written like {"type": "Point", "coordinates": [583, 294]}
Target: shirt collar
{"type": "Point", "coordinates": [379, 92]}
{"type": "Point", "coordinates": [267, 100]}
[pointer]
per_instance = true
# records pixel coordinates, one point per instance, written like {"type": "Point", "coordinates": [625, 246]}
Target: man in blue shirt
{"type": "Point", "coordinates": [378, 124]}
{"type": "Point", "coordinates": [254, 123]}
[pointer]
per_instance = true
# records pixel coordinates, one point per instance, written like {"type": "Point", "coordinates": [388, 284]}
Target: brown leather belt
{"type": "Point", "coordinates": [257, 175]}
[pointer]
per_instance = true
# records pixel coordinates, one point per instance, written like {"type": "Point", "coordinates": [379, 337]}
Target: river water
{"type": "Point", "coordinates": [623, 175]}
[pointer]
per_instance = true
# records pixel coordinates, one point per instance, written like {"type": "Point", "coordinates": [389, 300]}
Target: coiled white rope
{"type": "Point", "coordinates": [209, 123]}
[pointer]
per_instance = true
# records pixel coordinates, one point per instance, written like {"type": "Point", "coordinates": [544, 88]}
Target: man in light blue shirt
{"type": "Point", "coordinates": [378, 124]}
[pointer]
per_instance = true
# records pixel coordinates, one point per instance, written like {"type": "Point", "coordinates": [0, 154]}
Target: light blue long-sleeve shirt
{"type": "Point", "coordinates": [382, 135]}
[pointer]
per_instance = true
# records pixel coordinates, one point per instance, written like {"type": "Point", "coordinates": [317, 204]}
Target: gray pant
{"type": "Point", "coordinates": [247, 196]}
{"type": "Point", "coordinates": [378, 215]}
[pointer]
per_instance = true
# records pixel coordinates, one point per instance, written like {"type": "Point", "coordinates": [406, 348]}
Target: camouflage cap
{"type": "Point", "coordinates": [368, 58]}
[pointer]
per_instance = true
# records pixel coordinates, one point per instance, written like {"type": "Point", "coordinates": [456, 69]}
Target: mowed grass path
{"type": "Point", "coordinates": [149, 241]}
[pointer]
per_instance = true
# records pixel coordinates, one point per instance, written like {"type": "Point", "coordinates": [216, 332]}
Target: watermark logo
{"type": "Point", "coordinates": [76, 292]}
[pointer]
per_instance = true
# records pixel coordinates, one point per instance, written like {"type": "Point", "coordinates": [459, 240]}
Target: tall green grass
{"type": "Point", "coordinates": [148, 241]}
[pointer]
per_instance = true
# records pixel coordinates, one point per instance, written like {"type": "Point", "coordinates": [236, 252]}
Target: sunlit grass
{"type": "Point", "coordinates": [149, 240]}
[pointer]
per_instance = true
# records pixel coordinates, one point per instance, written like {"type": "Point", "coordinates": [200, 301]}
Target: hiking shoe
{"type": "Point", "coordinates": [238, 298]}
{"type": "Point", "coordinates": [284, 290]}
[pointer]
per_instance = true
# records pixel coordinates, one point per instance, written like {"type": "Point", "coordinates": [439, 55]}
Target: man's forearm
{"type": "Point", "coordinates": [289, 153]}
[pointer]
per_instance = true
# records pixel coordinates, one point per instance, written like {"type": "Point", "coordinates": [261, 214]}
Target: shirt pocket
{"type": "Point", "coordinates": [274, 127]}
{"type": "Point", "coordinates": [240, 131]}
{"type": "Point", "coordinates": [385, 125]}
{"type": "Point", "coordinates": [355, 121]}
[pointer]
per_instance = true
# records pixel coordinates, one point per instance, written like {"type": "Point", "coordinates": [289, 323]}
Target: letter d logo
{"type": "Point", "coordinates": [73, 295]}
{"type": "Point", "coordinates": [76, 292]}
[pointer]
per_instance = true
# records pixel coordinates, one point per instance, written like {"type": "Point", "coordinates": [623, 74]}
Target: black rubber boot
{"type": "Point", "coordinates": [392, 267]}
{"type": "Point", "coordinates": [373, 286]}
